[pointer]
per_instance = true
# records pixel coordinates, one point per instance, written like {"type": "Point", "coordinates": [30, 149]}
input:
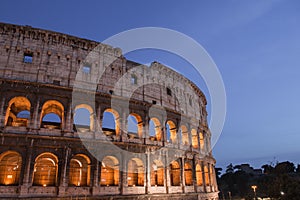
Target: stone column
{"type": "Point", "coordinates": [124, 181]}
{"type": "Point", "coordinates": [69, 119]}
{"type": "Point", "coordinates": [28, 173]}
{"type": "Point", "coordinates": [96, 173]}
{"type": "Point", "coordinates": [167, 174]}
{"type": "Point", "coordinates": [142, 129]}
{"type": "Point", "coordinates": [123, 124]}
{"type": "Point", "coordinates": [203, 176]}
{"type": "Point", "coordinates": [194, 163]}
{"type": "Point", "coordinates": [63, 182]}
{"type": "Point", "coordinates": [207, 144]}
{"type": "Point", "coordinates": [190, 136]}
{"type": "Point", "coordinates": [198, 139]}
{"type": "Point", "coordinates": [2, 113]}
{"type": "Point", "coordinates": [146, 128]}
{"type": "Point", "coordinates": [148, 172]}
{"type": "Point", "coordinates": [36, 113]}
{"type": "Point", "coordinates": [97, 120]}
{"type": "Point", "coordinates": [206, 147]}
{"type": "Point", "coordinates": [182, 174]}
{"type": "Point", "coordinates": [215, 185]}
{"type": "Point", "coordinates": [163, 134]}
{"type": "Point", "coordinates": [209, 178]}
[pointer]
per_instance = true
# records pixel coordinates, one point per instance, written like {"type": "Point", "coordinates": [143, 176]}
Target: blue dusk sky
{"type": "Point", "coordinates": [255, 44]}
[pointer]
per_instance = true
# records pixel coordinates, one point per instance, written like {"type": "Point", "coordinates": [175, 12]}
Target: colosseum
{"type": "Point", "coordinates": [79, 120]}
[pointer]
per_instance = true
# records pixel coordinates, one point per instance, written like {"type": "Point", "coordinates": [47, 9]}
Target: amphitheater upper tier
{"type": "Point", "coordinates": [79, 119]}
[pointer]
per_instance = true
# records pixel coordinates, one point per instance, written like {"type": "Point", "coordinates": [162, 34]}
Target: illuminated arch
{"type": "Point", "coordinates": [79, 174]}
{"type": "Point", "coordinates": [188, 174]}
{"type": "Point", "coordinates": [83, 118]}
{"type": "Point", "coordinates": [184, 135]}
{"type": "Point", "coordinates": [136, 172]}
{"type": "Point", "coordinates": [175, 173]}
{"type": "Point", "coordinates": [18, 112]}
{"type": "Point", "coordinates": [194, 139]}
{"type": "Point", "coordinates": [10, 167]}
{"type": "Point", "coordinates": [199, 177]}
{"type": "Point", "coordinates": [52, 115]}
{"type": "Point", "coordinates": [157, 173]}
{"type": "Point", "coordinates": [45, 170]}
{"type": "Point", "coordinates": [109, 127]}
{"type": "Point", "coordinates": [201, 141]}
{"type": "Point", "coordinates": [135, 124]}
{"type": "Point", "coordinates": [110, 171]}
{"type": "Point", "coordinates": [171, 131]}
{"type": "Point", "coordinates": [155, 129]}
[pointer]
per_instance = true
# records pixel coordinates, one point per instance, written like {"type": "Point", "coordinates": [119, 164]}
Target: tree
{"type": "Point", "coordinates": [229, 168]}
{"type": "Point", "coordinates": [268, 169]}
{"type": "Point", "coordinates": [218, 171]}
{"type": "Point", "coordinates": [298, 168]}
{"type": "Point", "coordinates": [285, 167]}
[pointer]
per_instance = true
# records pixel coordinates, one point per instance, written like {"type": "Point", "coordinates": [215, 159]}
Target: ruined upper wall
{"type": "Point", "coordinates": [57, 58]}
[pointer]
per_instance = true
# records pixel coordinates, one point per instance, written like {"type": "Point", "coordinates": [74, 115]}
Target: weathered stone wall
{"type": "Point", "coordinates": [56, 67]}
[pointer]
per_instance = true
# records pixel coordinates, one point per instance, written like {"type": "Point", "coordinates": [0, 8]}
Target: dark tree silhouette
{"type": "Point", "coordinates": [279, 181]}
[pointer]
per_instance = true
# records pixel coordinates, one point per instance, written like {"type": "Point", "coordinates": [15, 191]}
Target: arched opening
{"type": "Point", "coordinates": [10, 167]}
{"type": "Point", "coordinates": [18, 112]}
{"type": "Point", "coordinates": [135, 125]}
{"type": "Point", "coordinates": [110, 122]}
{"type": "Point", "coordinates": [83, 118]}
{"type": "Point", "coordinates": [194, 139]}
{"type": "Point", "coordinates": [171, 131]}
{"type": "Point", "coordinates": [206, 176]}
{"type": "Point", "coordinates": [135, 172]}
{"type": "Point", "coordinates": [155, 129]}
{"type": "Point", "coordinates": [109, 171]}
{"type": "Point", "coordinates": [45, 170]}
{"type": "Point", "coordinates": [157, 173]}
{"type": "Point", "coordinates": [52, 115]}
{"type": "Point", "coordinates": [79, 174]}
{"type": "Point", "coordinates": [188, 174]}
{"type": "Point", "coordinates": [175, 173]}
{"type": "Point", "coordinates": [51, 121]}
{"type": "Point", "coordinates": [199, 177]}
{"type": "Point", "coordinates": [184, 135]}
{"type": "Point", "coordinates": [201, 141]}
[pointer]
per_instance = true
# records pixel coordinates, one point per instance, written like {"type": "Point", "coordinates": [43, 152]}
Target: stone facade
{"type": "Point", "coordinates": [46, 73]}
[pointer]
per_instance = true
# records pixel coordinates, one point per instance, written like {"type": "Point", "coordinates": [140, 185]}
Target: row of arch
{"type": "Point", "coordinates": [45, 171]}
{"type": "Point", "coordinates": [18, 113]}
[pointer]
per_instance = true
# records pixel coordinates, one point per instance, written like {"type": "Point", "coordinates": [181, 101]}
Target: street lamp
{"type": "Point", "coordinates": [254, 187]}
